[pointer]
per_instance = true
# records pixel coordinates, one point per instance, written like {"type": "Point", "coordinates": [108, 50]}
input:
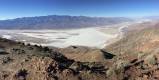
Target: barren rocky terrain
{"type": "Point", "coordinates": [27, 62]}
{"type": "Point", "coordinates": [133, 57]}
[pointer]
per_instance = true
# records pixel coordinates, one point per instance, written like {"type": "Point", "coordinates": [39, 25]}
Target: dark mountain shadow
{"type": "Point", "coordinates": [107, 55]}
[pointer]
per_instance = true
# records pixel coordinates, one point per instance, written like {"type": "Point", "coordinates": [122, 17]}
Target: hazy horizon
{"type": "Point", "coordinates": [80, 16]}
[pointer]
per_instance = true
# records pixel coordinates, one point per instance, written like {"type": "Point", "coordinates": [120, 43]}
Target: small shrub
{"type": "Point", "coordinates": [6, 60]}
{"type": "Point", "coordinates": [22, 74]}
{"type": "Point", "coordinates": [110, 71]}
{"type": "Point", "coordinates": [151, 59]}
{"type": "Point", "coordinates": [121, 64]}
{"type": "Point", "coordinates": [141, 55]}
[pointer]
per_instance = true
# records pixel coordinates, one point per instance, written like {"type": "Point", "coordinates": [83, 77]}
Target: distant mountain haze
{"type": "Point", "coordinates": [59, 22]}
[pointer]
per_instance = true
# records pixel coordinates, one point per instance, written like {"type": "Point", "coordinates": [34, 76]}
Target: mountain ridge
{"type": "Point", "coordinates": [59, 22]}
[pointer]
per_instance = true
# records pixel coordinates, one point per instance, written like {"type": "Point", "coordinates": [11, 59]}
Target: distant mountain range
{"type": "Point", "coordinates": [59, 22]}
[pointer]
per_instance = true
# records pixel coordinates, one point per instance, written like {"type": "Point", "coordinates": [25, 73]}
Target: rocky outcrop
{"type": "Point", "coordinates": [27, 62]}
{"type": "Point", "coordinates": [85, 54]}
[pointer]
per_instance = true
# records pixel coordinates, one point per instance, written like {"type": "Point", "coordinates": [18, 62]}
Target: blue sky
{"type": "Point", "coordinates": [108, 8]}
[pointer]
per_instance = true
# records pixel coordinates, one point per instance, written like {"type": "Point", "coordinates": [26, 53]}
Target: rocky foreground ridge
{"type": "Point", "coordinates": [26, 62]}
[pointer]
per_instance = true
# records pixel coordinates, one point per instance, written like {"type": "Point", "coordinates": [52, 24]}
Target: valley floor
{"type": "Point", "coordinates": [92, 37]}
{"type": "Point", "coordinates": [97, 37]}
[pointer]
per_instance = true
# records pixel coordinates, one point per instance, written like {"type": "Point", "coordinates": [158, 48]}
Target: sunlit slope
{"type": "Point", "coordinates": [143, 40]}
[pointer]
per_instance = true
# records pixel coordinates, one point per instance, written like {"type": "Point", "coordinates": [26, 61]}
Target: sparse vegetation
{"type": "Point", "coordinates": [151, 59]}
{"type": "Point", "coordinates": [6, 60]}
{"type": "Point", "coordinates": [21, 74]}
